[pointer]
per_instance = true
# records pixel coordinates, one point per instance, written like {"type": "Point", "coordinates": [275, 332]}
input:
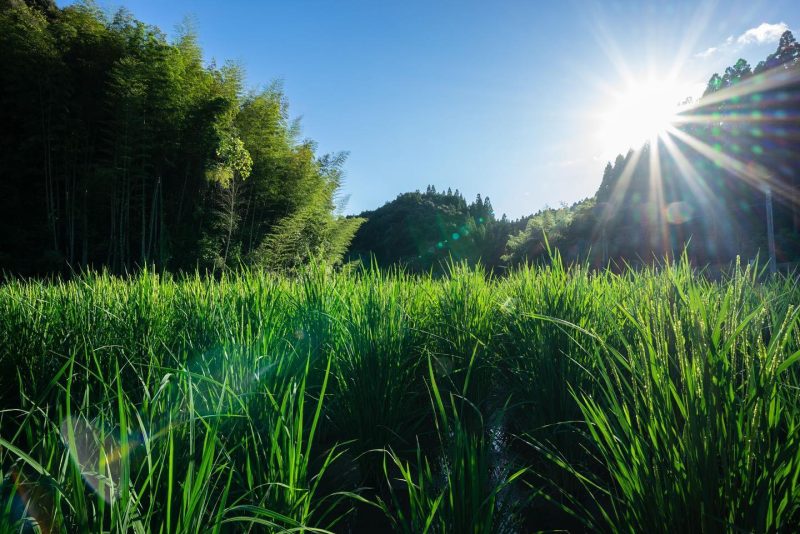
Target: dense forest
{"type": "Point", "coordinates": [122, 149]}
{"type": "Point", "coordinates": [430, 230]}
{"type": "Point", "coordinates": [426, 230]}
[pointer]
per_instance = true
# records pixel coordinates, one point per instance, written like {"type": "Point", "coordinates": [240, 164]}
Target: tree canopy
{"type": "Point", "coordinates": [122, 149]}
{"type": "Point", "coordinates": [424, 231]}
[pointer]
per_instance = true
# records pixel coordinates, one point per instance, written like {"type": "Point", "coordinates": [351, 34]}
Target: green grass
{"type": "Point", "coordinates": [551, 398]}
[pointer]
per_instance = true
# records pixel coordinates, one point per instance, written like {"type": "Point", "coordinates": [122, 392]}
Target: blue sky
{"type": "Point", "coordinates": [499, 98]}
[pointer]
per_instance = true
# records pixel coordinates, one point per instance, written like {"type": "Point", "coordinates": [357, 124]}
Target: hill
{"type": "Point", "coordinates": [425, 230]}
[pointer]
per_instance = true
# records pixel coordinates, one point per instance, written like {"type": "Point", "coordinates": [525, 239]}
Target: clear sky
{"type": "Point", "coordinates": [501, 98]}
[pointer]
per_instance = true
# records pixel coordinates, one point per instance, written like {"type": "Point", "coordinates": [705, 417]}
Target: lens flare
{"type": "Point", "coordinates": [679, 212]}
{"type": "Point", "coordinates": [701, 171]}
{"type": "Point", "coordinates": [639, 114]}
{"type": "Point", "coordinates": [97, 454]}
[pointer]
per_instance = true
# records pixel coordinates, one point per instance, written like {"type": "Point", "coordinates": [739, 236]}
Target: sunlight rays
{"type": "Point", "coordinates": [759, 83]}
{"type": "Point", "coordinates": [712, 214]}
{"type": "Point", "coordinates": [750, 172]}
{"type": "Point", "coordinates": [645, 98]}
{"type": "Point", "coordinates": [730, 129]}
{"type": "Point", "coordinates": [657, 208]}
{"type": "Point", "coordinates": [640, 113]}
{"type": "Point", "coordinates": [698, 24]}
{"type": "Point", "coordinates": [699, 169]}
{"type": "Point", "coordinates": [618, 193]}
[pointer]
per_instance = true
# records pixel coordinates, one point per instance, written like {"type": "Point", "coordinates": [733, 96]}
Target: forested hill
{"type": "Point", "coordinates": [702, 186]}
{"type": "Point", "coordinates": [122, 149]}
{"type": "Point", "coordinates": [426, 230]}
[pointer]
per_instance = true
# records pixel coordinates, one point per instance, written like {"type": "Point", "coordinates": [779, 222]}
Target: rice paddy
{"type": "Point", "coordinates": [551, 398]}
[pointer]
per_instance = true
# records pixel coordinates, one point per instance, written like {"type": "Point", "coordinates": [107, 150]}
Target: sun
{"type": "Point", "coordinates": [639, 113]}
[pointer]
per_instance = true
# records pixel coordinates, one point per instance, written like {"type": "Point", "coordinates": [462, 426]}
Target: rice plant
{"type": "Point", "coordinates": [554, 397]}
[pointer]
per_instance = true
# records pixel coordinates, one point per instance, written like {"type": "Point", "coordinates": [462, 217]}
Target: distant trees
{"type": "Point", "coordinates": [550, 225]}
{"type": "Point", "coordinates": [786, 56]}
{"type": "Point", "coordinates": [424, 231]}
{"type": "Point", "coordinates": [734, 74]}
{"type": "Point", "coordinates": [121, 149]}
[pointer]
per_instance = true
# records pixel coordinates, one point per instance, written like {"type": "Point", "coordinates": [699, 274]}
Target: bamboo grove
{"type": "Point", "coordinates": [130, 151]}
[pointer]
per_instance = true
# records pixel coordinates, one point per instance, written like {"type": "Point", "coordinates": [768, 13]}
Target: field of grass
{"type": "Point", "coordinates": [552, 398]}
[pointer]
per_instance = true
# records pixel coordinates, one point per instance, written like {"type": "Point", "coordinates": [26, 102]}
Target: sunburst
{"type": "Point", "coordinates": [727, 128]}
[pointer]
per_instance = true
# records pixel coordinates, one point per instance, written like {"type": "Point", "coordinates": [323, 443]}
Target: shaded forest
{"type": "Point", "coordinates": [123, 149]}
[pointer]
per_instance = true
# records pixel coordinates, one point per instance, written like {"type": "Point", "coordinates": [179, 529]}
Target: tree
{"type": "Point", "coordinates": [313, 231]}
{"type": "Point", "coordinates": [736, 73]}
{"type": "Point", "coordinates": [487, 208]}
{"type": "Point", "coordinates": [714, 84]}
{"type": "Point", "coordinates": [229, 173]}
{"type": "Point", "coordinates": [129, 151]}
{"type": "Point", "coordinates": [787, 55]}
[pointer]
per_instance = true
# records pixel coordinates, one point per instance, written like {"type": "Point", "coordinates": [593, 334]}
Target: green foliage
{"type": "Point", "coordinates": [786, 56]}
{"type": "Point", "coordinates": [234, 162]}
{"type": "Point", "coordinates": [129, 151]}
{"type": "Point", "coordinates": [423, 231]}
{"type": "Point", "coordinates": [675, 426]}
{"type": "Point", "coordinates": [550, 223]}
{"type": "Point", "coordinates": [556, 397]}
{"type": "Point", "coordinates": [313, 231]}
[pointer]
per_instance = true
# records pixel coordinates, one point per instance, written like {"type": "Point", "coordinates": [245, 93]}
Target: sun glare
{"type": "Point", "coordinates": [639, 113]}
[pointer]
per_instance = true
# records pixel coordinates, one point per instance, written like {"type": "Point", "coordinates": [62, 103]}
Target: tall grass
{"type": "Point", "coordinates": [696, 412]}
{"type": "Point", "coordinates": [552, 398]}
